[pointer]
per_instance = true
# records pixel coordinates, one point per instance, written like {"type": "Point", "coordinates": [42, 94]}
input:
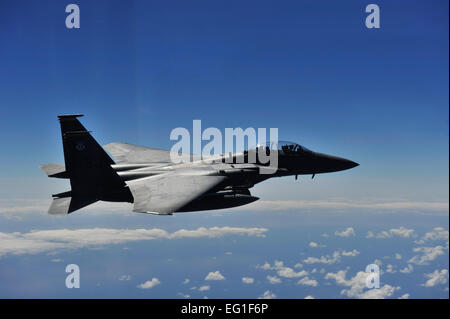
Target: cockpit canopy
{"type": "Point", "coordinates": [283, 148]}
{"type": "Point", "coordinates": [287, 147]}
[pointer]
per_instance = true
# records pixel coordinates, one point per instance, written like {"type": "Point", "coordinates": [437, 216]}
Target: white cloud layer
{"type": "Point", "coordinates": [50, 240]}
{"type": "Point", "coordinates": [22, 206]}
{"type": "Point", "coordinates": [380, 205]}
{"type": "Point", "coordinates": [16, 206]}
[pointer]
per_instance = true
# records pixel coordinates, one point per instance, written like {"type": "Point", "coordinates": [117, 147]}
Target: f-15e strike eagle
{"type": "Point", "coordinates": [154, 184]}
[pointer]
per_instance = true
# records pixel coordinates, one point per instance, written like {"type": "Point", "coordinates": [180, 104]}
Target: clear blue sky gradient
{"type": "Point", "coordinates": [312, 69]}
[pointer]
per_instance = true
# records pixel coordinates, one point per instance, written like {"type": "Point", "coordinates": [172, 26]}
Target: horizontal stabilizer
{"type": "Point", "coordinates": [66, 205]}
{"type": "Point", "coordinates": [55, 170]}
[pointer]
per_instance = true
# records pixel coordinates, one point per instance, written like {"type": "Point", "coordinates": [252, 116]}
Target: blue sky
{"type": "Point", "coordinates": [312, 69]}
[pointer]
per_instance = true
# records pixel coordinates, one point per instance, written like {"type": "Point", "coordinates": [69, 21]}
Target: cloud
{"type": "Point", "coordinates": [204, 288]}
{"type": "Point", "coordinates": [402, 232]}
{"type": "Point", "coordinates": [399, 232]}
{"type": "Point", "coordinates": [266, 266]}
{"type": "Point", "coordinates": [398, 256]}
{"type": "Point", "coordinates": [308, 282]}
{"type": "Point", "coordinates": [407, 270]}
{"type": "Point", "coordinates": [390, 269]}
{"type": "Point", "coordinates": [282, 270]}
{"type": "Point", "coordinates": [273, 280]}
{"type": "Point", "coordinates": [438, 233]}
{"type": "Point", "coordinates": [13, 207]}
{"type": "Point", "coordinates": [428, 254]}
{"type": "Point", "coordinates": [23, 206]}
{"type": "Point", "coordinates": [276, 265]}
{"type": "Point", "coordinates": [215, 276]}
{"type": "Point", "coordinates": [352, 253]}
{"type": "Point", "coordinates": [309, 297]}
{"type": "Point", "coordinates": [149, 284]}
{"type": "Point", "coordinates": [357, 286]}
{"type": "Point", "coordinates": [347, 205]}
{"type": "Point", "coordinates": [248, 280]}
{"type": "Point", "coordinates": [346, 233]}
{"type": "Point", "coordinates": [380, 293]}
{"type": "Point", "coordinates": [334, 258]}
{"type": "Point", "coordinates": [57, 260]}
{"type": "Point", "coordinates": [125, 278]}
{"type": "Point", "coordinates": [315, 245]}
{"type": "Point", "coordinates": [404, 296]}
{"type": "Point", "coordinates": [435, 278]}
{"type": "Point", "coordinates": [378, 262]}
{"type": "Point", "coordinates": [287, 272]}
{"type": "Point", "coordinates": [327, 259]}
{"type": "Point", "coordinates": [49, 240]}
{"type": "Point", "coordinates": [267, 295]}
{"type": "Point", "coordinates": [186, 281]}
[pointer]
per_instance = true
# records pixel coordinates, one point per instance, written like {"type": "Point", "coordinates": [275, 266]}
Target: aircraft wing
{"type": "Point", "coordinates": [129, 153]}
{"type": "Point", "coordinates": [165, 194]}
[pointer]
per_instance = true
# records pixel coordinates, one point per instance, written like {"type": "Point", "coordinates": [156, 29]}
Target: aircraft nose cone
{"type": "Point", "coordinates": [327, 163]}
{"type": "Point", "coordinates": [349, 164]}
{"type": "Point", "coordinates": [340, 164]}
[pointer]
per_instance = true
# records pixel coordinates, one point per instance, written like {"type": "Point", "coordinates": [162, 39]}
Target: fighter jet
{"type": "Point", "coordinates": [148, 178]}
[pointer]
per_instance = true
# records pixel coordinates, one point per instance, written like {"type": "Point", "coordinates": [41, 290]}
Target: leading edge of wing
{"type": "Point", "coordinates": [129, 153]}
